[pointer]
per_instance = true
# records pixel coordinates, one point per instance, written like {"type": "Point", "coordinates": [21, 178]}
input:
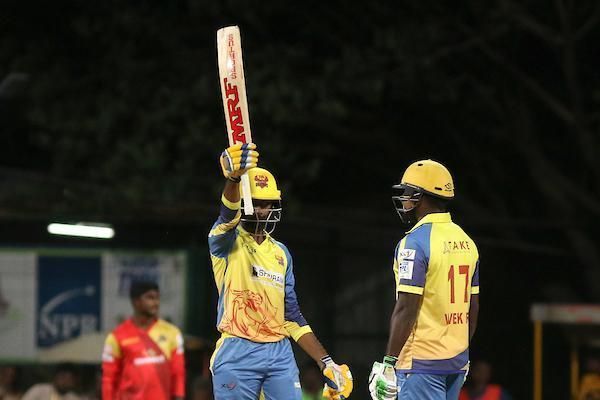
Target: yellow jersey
{"type": "Point", "coordinates": [257, 299]}
{"type": "Point", "coordinates": [439, 261]}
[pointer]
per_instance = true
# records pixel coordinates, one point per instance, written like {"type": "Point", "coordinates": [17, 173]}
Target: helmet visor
{"type": "Point", "coordinates": [267, 213]}
{"type": "Point", "coordinates": [403, 193]}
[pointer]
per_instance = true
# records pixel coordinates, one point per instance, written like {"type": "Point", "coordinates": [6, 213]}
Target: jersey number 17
{"type": "Point", "coordinates": [462, 270]}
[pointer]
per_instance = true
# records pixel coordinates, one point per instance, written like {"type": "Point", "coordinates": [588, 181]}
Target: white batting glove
{"type": "Point", "coordinates": [383, 384]}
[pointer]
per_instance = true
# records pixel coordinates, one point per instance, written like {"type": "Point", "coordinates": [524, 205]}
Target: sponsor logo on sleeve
{"type": "Point", "coordinates": [405, 269]}
{"type": "Point", "coordinates": [406, 254]}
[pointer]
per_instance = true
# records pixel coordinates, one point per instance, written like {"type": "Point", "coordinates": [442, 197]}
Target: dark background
{"type": "Point", "coordinates": [111, 111]}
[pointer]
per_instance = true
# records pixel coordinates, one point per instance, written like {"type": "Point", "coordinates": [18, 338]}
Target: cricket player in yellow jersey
{"type": "Point", "coordinates": [436, 268]}
{"type": "Point", "coordinates": [258, 309]}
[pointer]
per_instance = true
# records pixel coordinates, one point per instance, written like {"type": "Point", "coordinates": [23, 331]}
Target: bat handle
{"type": "Point", "coordinates": [247, 196]}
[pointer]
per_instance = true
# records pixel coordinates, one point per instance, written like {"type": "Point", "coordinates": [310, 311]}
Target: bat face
{"type": "Point", "coordinates": [234, 113]}
{"type": "Point", "coordinates": [233, 85]}
{"type": "Point", "coordinates": [233, 93]}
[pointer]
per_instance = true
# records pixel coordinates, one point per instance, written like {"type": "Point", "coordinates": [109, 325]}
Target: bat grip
{"type": "Point", "coordinates": [247, 196]}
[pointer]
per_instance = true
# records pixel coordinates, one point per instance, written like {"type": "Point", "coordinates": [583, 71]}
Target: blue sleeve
{"type": "Point", "coordinates": [292, 308]}
{"type": "Point", "coordinates": [412, 258]}
{"type": "Point", "coordinates": [223, 233]}
{"type": "Point", "coordinates": [475, 281]}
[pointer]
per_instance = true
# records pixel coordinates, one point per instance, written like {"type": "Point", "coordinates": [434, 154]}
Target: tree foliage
{"type": "Point", "coordinates": [123, 102]}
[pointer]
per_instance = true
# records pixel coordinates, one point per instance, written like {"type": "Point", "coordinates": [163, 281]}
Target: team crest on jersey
{"type": "Point", "coordinates": [150, 352]}
{"type": "Point", "coordinates": [262, 181]}
{"type": "Point", "coordinates": [279, 260]}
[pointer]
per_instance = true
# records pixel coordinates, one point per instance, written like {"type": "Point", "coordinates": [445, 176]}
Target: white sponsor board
{"type": "Point", "coordinates": [17, 305]}
{"type": "Point", "coordinates": [40, 298]}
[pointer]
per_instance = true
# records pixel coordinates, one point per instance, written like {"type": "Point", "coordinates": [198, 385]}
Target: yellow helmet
{"type": "Point", "coordinates": [431, 177]}
{"type": "Point", "coordinates": [263, 185]}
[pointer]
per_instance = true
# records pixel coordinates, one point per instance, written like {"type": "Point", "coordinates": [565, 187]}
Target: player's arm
{"type": "Point", "coordinates": [338, 378]}
{"type": "Point", "coordinates": [311, 346]}
{"type": "Point", "coordinates": [231, 194]}
{"type": "Point", "coordinates": [111, 367]}
{"type": "Point", "coordinates": [234, 161]}
{"type": "Point", "coordinates": [382, 380]}
{"type": "Point", "coordinates": [410, 269]}
{"type": "Point", "coordinates": [402, 322]}
{"type": "Point", "coordinates": [178, 368]}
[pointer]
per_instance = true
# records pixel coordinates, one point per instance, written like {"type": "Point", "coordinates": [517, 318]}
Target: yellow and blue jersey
{"type": "Point", "coordinates": [257, 300]}
{"type": "Point", "coordinates": [439, 261]}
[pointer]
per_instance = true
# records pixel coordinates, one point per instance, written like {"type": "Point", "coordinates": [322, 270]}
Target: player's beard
{"type": "Point", "coordinates": [255, 228]}
{"type": "Point", "coordinates": [260, 227]}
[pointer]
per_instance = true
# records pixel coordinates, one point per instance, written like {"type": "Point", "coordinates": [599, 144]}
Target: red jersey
{"type": "Point", "coordinates": [492, 392]}
{"type": "Point", "coordinates": [143, 364]}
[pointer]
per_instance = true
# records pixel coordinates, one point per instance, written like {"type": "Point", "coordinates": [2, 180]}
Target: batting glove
{"type": "Point", "coordinates": [338, 380]}
{"type": "Point", "coordinates": [383, 383]}
{"type": "Point", "coordinates": [237, 159]}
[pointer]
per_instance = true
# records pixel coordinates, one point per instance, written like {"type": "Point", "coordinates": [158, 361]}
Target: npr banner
{"type": "Point", "coordinates": [68, 305]}
{"type": "Point", "coordinates": [59, 305]}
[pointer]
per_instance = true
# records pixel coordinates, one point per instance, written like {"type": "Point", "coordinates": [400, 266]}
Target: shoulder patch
{"type": "Point", "coordinates": [405, 269]}
{"type": "Point", "coordinates": [406, 254]}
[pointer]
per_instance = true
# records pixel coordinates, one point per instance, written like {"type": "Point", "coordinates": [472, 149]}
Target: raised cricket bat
{"type": "Point", "coordinates": [233, 92]}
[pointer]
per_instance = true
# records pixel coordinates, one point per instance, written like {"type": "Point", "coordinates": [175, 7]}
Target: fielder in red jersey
{"type": "Point", "coordinates": [143, 357]}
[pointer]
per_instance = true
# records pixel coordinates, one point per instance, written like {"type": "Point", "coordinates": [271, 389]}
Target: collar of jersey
{"type": "Point", "coordinates": [432, 219]}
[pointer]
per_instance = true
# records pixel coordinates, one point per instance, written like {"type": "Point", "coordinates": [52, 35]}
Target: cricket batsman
{"type": "Point", "coordinates": [258, 309]}
{"type": "Point", "coordinates": [436, 268]}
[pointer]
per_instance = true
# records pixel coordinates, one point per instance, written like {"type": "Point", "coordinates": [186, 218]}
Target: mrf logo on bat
{"type": "Point", "coordinates": [234, 112]}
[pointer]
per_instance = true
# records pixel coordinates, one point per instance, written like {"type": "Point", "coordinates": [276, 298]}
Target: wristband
{"type": "Point", "coordinates": [326, 359]}
{"type": "Point", "coordinates": [390, 360]}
